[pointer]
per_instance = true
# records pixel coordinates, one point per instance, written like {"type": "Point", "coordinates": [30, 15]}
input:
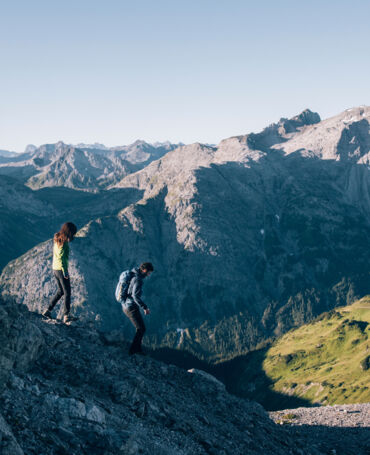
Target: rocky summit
{"type": "Point", "coordinates": [248, 238]}
{"type": "Point", "coordinates": [73, 390]}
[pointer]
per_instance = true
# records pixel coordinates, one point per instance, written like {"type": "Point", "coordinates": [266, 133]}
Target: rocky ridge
{"type": "Point", "coordinates": [85, 167]}
{"type": "Point", "coordinates": [71, 390]}
{"type": "Point", "coordinates": [7, 154]}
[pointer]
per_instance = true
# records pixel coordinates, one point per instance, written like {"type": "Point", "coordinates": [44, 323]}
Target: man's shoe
{"type": "Point", "coordinates": [68, 318]}
{"type": "Point", "coordinates": [47, 314]}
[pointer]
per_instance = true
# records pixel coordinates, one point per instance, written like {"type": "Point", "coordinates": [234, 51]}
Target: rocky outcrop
{"type": "Point", "coordinates": [73, 390]}
{"type": "Point", "coordinates": [82, 394]}
{"type": "Point", "coordinates": [282, 131]}
{"type": "Point", "coordinates": [20, 340]}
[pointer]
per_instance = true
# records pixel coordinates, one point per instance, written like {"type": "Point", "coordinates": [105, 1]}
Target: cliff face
{"type": "Point", "coordinates": [248, 239]}
{"type": "Point", "coordinates": [70, 390]}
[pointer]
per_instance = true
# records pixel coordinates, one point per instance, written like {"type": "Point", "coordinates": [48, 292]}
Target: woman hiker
{"type": "Point", "coordinates": [60, 269]}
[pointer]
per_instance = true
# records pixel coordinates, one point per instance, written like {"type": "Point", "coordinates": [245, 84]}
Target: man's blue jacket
{"type": "Point", "coordinates": [135, 289]}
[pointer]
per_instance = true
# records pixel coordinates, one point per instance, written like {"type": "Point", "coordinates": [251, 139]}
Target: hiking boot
{"type": "Point", "coordinates": [69, 318]}
{"type": "Point", "coordinates": [47, 314]}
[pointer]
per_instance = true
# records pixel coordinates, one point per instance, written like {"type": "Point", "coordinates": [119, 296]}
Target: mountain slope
{"type": "Point", "coordinates": [325, 362]}
{"type": "Point", "coordinates": [247, 240]}
{"type": "Point", "coordinates": [66, 389]}
{"type": "Point", "coordinates": [29, 217]}
{"type": "Point", "coordinates": [24, 219]}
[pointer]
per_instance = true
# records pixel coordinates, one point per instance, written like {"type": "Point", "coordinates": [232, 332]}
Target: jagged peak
{"type": "Point", "coordinates": [30, 148]}
{"type": "Point", "coordinates": [307, 117]}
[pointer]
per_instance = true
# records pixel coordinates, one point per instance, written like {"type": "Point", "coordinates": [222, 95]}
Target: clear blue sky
{"type": "Point", "coordinates": [114, 71]}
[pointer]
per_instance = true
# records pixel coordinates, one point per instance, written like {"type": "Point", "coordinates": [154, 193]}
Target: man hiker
{"type": "Point", "coordinates": [132, 304]}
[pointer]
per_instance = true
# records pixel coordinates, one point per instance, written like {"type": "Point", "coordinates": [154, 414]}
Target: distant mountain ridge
{"type": "Point", "coordinates": [7, 154]}
{"type": "Point", "coordinates": [86, 167]}
{"type": "Point", "coordinates": [249, 238]}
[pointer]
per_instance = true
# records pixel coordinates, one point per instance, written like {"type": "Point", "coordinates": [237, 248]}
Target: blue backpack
{"type": "Point", "coordinates": [123, 285]}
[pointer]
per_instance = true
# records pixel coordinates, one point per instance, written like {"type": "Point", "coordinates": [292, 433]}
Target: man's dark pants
{"type": "Point", "coordinates": [64, 288]}
{"type": "Point", "coordinates": [132, 311]}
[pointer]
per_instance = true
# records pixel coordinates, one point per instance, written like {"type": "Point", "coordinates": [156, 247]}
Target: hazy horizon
{"type": "Point", "coordinates": [99, 143]}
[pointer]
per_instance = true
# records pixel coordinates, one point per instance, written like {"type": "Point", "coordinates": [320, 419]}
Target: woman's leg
{"type": "Point", "coordinates": [66, 285]}
{"type": "Point", "coordinates": [60, 291]}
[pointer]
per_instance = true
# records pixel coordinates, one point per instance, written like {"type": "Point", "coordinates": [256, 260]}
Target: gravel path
{"type": "Point", "coordinates": [351, 415]}
{"type": "Point", "coordinates": [335, 430]}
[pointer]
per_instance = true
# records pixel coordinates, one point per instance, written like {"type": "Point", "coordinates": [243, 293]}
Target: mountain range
{"type": "Point", "coordinates": [83, 167]}
{"type": "Point", "coordinates": [7, 154]}
{"type": "Point", "coordinates": [248, 238]}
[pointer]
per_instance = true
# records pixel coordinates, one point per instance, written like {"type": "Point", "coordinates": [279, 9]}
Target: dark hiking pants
{"type": "Point", "coordinates": [133, 313]}
{"type": "Point", "coordinates": [64, 288]}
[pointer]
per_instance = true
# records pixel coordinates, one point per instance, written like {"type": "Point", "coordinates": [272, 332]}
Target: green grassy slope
{"type": "Point", "coordinates": [324, 362]}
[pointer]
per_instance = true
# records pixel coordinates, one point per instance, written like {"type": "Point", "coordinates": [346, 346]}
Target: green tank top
{"type": "Point", "coordinates": [60, 257]}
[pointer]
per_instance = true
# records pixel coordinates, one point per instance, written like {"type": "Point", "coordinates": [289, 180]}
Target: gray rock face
{"type": "Point", "coordinates": [8, 443]}
{"type": "Point", "coordinates": [248, 239]}
{"type": "Point", "coordinates": [86, 167]}
{"type": "Point", "coordinates": [21, 342]}
{"type": "Point", "coordinates": [82, 395]}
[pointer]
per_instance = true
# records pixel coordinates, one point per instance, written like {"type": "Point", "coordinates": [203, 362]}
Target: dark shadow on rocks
{"type": "Point", "coordinates": [83, 206]}
{"type": "Point", "coordinates": [180, 358]}
{"type": "Point", "coordinates": [243, 376]}
{"type": "Point", "coordinates": [24, 229]}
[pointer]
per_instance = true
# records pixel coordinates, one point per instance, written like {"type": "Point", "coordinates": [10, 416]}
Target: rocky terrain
{"type": "Point", "coordinates": [339, 429]}
{"type": "Point", "coordinates": [84, 168]}
{"type": "Point", "coordinates": [72, 390]}
{"type": "Point", "coordinates": [69, 390]}
{"type": "Point", "coordinates": [250, 238]}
